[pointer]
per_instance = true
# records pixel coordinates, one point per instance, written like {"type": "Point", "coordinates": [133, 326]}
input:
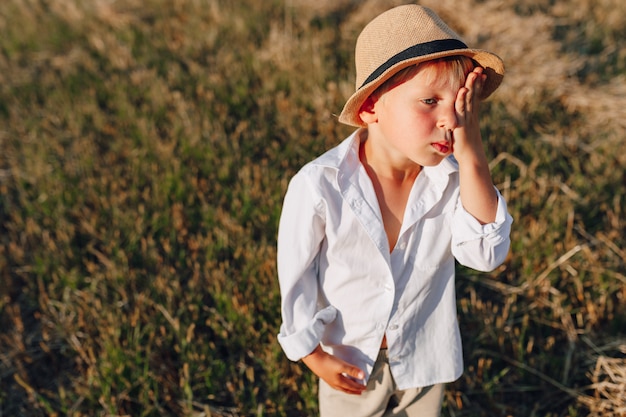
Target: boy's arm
{"type": "Point", "coordinates": [478, 195]}
{"type": "Point", "coordinates": [301, 231]}
{"type": "Point", "coordinates": [482, 226]}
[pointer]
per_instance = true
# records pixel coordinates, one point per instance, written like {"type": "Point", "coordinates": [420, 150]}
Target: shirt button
{"type": "Point", "coordinates": [393, 327]}
{"type": "Point", "coordinates": [402, 246]}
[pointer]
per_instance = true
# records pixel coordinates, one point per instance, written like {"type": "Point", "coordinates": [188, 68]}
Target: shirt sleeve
{"type": "Point", "coordinates": [300, 236]}
{"type": "Point", "coordinates": [478, 246]}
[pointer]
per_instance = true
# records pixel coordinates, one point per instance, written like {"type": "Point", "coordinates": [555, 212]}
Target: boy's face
{"type": "Point", "coordinates": [411, 120]}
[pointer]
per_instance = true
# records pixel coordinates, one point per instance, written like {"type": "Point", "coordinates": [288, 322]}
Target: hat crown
{"type": "Point", "coordinates": [395, 31]}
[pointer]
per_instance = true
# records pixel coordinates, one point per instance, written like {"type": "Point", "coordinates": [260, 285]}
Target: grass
{"type": "Point", "coordinates": [144, 151]}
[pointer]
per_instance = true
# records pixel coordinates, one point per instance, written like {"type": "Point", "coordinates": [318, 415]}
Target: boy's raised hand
{"type": "Point", "coordinates": [337, 373]}
{"type": "Point", "coordinates": [467, 138]}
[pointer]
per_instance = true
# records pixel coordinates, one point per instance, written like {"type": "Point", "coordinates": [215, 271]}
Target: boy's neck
{"type": "Point", "coordinates": [379, 163]}
{"type": "Point", "coordinates": [392, 188]}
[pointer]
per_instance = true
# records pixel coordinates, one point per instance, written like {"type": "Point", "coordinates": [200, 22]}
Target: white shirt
{"type": "Point", "coordinates": [342, 288]}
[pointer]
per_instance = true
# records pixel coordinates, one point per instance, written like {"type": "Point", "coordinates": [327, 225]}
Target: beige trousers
{"type": "Point", "coordinates": [381, 398]}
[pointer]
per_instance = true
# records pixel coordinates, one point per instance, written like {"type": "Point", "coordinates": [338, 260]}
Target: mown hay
{"type": "Point", "coordinates": [608, 379]}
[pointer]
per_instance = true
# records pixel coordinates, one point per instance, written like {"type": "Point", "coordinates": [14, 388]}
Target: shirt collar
{"type": "Point", "coordinates": [440, 174]}
{"type": "Point", "coordinates": [345, 156]}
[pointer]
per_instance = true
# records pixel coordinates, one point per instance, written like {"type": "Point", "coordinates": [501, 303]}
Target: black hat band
{"type": "Point", "coordinates": [415, 51]}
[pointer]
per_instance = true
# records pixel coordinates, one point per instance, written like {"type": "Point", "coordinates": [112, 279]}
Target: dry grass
{"type": "Point", "coordinates": [608, 385]}
{"type": "Point", "coordinates": [144, 150]}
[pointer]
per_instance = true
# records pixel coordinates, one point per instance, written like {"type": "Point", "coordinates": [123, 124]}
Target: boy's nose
{"type": "Point", "coordinates": [448, 118]}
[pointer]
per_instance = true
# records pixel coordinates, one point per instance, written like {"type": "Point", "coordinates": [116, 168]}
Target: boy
{"type": "Point", "coordinates": [370, 231]}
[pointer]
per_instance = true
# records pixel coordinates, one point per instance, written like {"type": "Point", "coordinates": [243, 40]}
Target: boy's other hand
{"type": "Point", "coordinates": [337, 373]}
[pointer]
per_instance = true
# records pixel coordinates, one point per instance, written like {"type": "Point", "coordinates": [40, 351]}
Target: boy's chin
{"type": "Point", "coordinates": [434, 161]}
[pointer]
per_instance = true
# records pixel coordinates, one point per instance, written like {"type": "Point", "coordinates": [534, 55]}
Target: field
{"type": "Point", "coordinates": [146, 145]}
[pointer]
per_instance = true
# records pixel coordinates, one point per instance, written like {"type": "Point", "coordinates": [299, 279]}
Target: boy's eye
{"type": "Point", "coordinates": [429, 101]}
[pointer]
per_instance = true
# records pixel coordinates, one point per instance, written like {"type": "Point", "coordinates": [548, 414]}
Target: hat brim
{"type": "Point", "coordinates": [492, 66]}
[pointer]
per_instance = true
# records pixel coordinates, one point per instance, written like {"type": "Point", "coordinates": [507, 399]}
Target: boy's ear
{"type": "Point", "coordinates": [367, 112]}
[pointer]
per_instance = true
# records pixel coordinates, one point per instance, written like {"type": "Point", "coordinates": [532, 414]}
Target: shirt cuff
{"type": "Point", "coordinates": [467, 228]}
{"type": "Point", "coordinates": [301, 343]}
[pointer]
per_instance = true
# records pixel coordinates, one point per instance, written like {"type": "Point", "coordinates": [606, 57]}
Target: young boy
{"type": "Point", "coordinates": [370, 230]}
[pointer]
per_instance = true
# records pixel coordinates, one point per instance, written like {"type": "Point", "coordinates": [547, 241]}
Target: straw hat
{"type": "Point", "coordinates": [405, 36]}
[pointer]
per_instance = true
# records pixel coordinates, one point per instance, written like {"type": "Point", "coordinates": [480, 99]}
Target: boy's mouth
{"type": "Point", "coordinates": [446, 146]}
{"type": "Point", "coordinates": [441, 147]}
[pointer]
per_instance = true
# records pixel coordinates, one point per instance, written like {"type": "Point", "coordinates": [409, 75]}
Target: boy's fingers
{"type": "Point", "coordinates": [350, 380]}
{"type": "Point", "coordinates": [474, 83]}
{"type": "Point", "coordinates": [347, 384]}
{"type": "Point", "coordinates": [352, 392]}
{"type": "Point", "coordinates": [469, 98]}
{"type": "Point", "coordinates": [469, 94]}
{"type": "Point", "coordinates": [350, 386]}
{"type": "Point", "coordinates": [354, 372]}
{"type": "Point", "coordinates": [461, 100]}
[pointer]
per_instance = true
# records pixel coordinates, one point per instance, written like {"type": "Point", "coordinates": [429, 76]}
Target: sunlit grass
{"type": "Point", "coordinates": [144, 151]}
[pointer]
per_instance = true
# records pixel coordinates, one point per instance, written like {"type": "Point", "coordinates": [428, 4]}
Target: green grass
{"type": "Point", "coordinates": [145, 148]}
